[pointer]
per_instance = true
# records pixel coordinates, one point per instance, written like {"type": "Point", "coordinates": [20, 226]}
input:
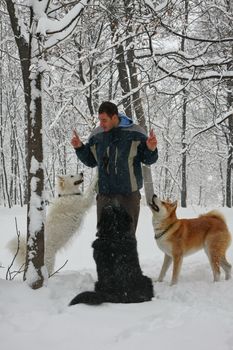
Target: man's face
{"type": "Point", "coordinates": [107, 122]}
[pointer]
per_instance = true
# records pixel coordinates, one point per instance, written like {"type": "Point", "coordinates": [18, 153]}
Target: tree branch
{"type": "Point", "coordinates": [217, 122]}
{"type": "Point", "coordinates": [204, 40]}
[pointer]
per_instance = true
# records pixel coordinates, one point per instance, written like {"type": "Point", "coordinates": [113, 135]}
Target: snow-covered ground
{"type": "Point", "coordinates": [195, 314]}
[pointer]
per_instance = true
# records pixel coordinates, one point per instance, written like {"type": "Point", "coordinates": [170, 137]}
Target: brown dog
{"type": "Point", "coordinates": [180, 237]}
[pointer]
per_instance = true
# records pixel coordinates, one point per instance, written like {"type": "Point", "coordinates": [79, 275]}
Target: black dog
{"type": "Point", "coordinates": [120, 279]}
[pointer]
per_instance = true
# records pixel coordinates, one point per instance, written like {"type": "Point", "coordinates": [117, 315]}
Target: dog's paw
{"type": "Point", "coordinates": [173, 283]}
{"type": "Point", "coordinates": [156, 280]}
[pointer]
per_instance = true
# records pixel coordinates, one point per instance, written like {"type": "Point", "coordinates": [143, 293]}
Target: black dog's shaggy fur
{"type": "Point", "coordinates": [120, 279]}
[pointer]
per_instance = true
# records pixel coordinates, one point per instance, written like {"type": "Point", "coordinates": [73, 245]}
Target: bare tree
{"type": "Point", "coordinates": [41, 32]}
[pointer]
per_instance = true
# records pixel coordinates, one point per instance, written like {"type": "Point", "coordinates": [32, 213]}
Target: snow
{"type": "Point", "coordinates": [194, 314]}
{"type": "Point", "coordinates": [32, 275]}
{"type": "Point", "coordinates": [35, 165]}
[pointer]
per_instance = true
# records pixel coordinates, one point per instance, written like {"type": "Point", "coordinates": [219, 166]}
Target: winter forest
{"type": "Point", "coordinates": [167, 64]}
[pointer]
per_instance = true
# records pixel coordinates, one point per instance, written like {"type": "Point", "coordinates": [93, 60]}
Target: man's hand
{"type": "Point", "coordinates": [75, 141]}
{"type": "Point", "coordinates": [151, 141]}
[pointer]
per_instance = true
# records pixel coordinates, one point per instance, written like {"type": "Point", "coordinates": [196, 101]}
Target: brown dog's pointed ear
{"type": "Point", "coordinates": [174, 205]}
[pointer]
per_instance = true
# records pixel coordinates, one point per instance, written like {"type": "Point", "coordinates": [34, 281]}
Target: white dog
{"type": "Point", "coordinates": [64, 218]}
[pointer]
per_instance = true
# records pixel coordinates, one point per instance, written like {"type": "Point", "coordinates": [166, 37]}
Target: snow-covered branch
{"type": "Point", "coordinates": [213, 124]}
{"type": "Point", "coordinates": [208, 74]}
{"type": "Point", "coordinates": [57, 30]}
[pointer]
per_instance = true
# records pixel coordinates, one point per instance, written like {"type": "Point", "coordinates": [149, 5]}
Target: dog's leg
{"type": "Point", "coordinates": [49, 259]}
{"type": "Point", "coordinates": [226, 267]}
{"type": "Point", "coordinates": [177, 262]}
{"type": "Point", "coordinates": [215, 266]}
{"type": "Point", "coordinates": [166, 264]}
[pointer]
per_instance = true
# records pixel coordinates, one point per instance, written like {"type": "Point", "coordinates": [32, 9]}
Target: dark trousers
{"type": "Point", "coordinates": [131, 203]}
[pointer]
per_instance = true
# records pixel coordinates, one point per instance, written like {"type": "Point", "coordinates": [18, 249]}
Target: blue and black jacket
{"type": "Point", "coordinates": [118, 154]}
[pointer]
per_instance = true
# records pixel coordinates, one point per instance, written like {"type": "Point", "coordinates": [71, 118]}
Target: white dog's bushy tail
{"type": "Point", "coordinates": [15, 245]}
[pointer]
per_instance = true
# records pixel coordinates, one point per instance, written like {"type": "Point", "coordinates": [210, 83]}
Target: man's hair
{"type": "Point", "coordinates": [109, 108]}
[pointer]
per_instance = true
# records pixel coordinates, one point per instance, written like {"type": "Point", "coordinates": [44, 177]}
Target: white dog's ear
{"type": "Point", "coordinates": [61, 181]}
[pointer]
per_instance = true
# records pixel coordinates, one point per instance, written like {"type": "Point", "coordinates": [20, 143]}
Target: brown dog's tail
{"type": "Point", "coordinates": [215, 214]}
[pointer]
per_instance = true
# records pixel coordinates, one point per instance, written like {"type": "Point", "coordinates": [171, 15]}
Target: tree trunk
{"type": "Point", "coordinates": [3, 176]}
{"type": "Point", "coordinates": [229, 158]}
{"type": "Point", "coordinates": [122, 72]}
{"type": "Point", "coordinates": [230, 126]}
{"type": "Point", "coordinates": [137, 102]}
{"type": "Point", "coordinates": [35, 272]}
{"type": "Point", "coordinates": [184, 122]}
{"type": "Point", "coordinates": [184, 154]}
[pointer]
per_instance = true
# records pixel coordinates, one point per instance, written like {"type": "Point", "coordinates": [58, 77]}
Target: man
{"type": "Point", "coordinates": [117, 147]}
